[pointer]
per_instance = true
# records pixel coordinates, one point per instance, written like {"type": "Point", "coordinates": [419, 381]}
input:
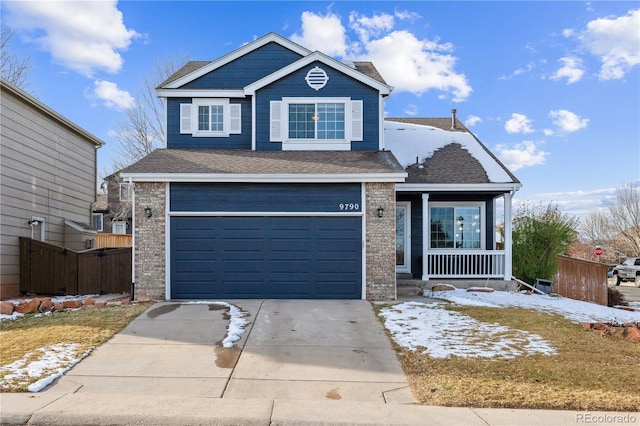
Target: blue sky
{"type": "Point", "coordinates": [552, 88]}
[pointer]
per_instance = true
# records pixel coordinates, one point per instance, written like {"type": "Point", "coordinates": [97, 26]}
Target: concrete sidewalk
{"type": "Point", "coordinates": [298, 362]}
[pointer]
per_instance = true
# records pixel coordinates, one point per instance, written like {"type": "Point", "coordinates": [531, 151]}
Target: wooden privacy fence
{"type": "Point", "coordinates": [113, 240]}
{"type": "Point", "coordinates": [49, 269]}
{"type": "Point", "coordinates": [581, 280]}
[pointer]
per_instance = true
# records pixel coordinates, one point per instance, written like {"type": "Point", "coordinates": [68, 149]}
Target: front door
{"type": "Point", "coordinates": [403, 236]}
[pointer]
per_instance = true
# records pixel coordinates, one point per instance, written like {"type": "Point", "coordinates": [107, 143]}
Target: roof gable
{"type": "Point", "coordinates": [187, 76]}
{"type": "Point", "coordinates": [352, 72]}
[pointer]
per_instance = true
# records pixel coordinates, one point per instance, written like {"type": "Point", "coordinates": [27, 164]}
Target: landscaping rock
{"type": "Point", "coordinates": [57, 306]}
{"type": "Point", "coordinates": [442, 287]}
{"type": "Point", "coordinates": [626, 331]}
{"type": "Point", "coordinates": [89, 302]}
{"type": "Point", "coordinates": [6, 308]}
{"type": "Point", "coordinates": [72, 304]}
{"type": "Point", "coordinates": [30, 307]}
{"type": "Point", "coordinates": [45, 306]}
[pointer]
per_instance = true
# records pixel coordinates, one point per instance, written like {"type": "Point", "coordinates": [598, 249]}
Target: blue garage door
{"type": "Point", "coordinates": [276, 257]}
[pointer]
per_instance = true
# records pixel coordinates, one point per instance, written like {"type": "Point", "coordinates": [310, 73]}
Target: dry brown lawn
{"type": "Point", "coordinates": [88, 328]}
{"type": "Point", "coordinates": [589, 372]}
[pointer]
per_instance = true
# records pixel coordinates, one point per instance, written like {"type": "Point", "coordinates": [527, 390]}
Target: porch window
{"type": "Point", "coordinates": [456, 227]}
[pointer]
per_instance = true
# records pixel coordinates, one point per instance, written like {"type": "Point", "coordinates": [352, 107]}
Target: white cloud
{"type": "Point", "coordinates": [110, 95]}
{"type": "Point", "coordinates": [411, 109]}
{"type": "Point", "coordinates": [407, 63]}
{"type": "Point", "coordinates": [416, 66]}
{"type": "Point", "coordinates": [616, 41]}
{"type": "Point", "coordinates": [571, 69]}
{"type": "Point", "coordinates": [530, 66]}
{"type": "Point", "coordinates": [518, 123]}
{"type": "Point", "coordinates": [521, 155]}
{"type": "Point", "coordinates": [83, 36]}
{"type": "Point", "coordinates": [472, 120]}
{"type": "Point", "coordinates": [367, 27]}
{"type": "Point", "coordinates": [568, 121]}
{"type": "Point", "coordinates": [324, 33]}
{"type": "Point", "coordinates": [548, 132]}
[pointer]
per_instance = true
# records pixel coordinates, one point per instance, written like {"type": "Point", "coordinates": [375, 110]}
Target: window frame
{"type": "Point", "coordinates": [280, 123]}
{"type": "Point", "coordinates": [127, 191]}
{"type": "Point", "coordinates": [456, 205]}
{"type": "Point", "coordinates": [231, 117]}
{"type": "Point", "coordinates": [96, 215]}
{"type": "Point", "coordinates": [210, 102]}
{"type": "Point", "coordinates": [116, 223]}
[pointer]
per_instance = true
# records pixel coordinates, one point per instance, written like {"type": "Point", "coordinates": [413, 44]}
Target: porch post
{"type": "Point", "coordinates": [425, 235]}
{"type": "Point", "coordinates": [508, 241]}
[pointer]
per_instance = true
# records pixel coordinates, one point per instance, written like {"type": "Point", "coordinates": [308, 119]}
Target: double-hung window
{"type": "Point", "coordinates": [210, 117]}
{"type": "Point", "coordinates": [456, 226]}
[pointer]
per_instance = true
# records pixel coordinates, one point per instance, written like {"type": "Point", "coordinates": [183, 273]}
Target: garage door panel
{"type": "Point", "coordinates": [266, 257]}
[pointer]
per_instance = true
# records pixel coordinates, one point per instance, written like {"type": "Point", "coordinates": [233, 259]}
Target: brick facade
{"type": "Point", "coordinates": [150, 247]}
{"type": "Point", "coordinates": [381, 241]}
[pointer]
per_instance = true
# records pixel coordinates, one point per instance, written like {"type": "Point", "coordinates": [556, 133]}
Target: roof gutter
{"type": "Point", "coordinates": [266, 177]}
{"type": "Point", "coordinates": [456, 187]}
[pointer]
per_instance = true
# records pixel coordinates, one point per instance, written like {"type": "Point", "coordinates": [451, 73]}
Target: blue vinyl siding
{"type": "Point", "coordinates": [245, 70]}
{"type": "Point", "coordinates": [266, 257]}
{"type": "Point", "coordinates": [186, 141]}
{"type": "Point", "coordinates": [339, 85]}
{"type": "Point", "coordinates": [266, 197]}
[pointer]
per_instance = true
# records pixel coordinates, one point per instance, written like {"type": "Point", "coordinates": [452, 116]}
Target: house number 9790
{"type": "Point", "coordinates": [349, 206]}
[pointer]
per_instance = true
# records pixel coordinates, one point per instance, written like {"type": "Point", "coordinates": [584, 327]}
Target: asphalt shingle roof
{"type": "Point", "coordinates": [451, 163]}
{"type": "Point", "coordinates": [239, 161]}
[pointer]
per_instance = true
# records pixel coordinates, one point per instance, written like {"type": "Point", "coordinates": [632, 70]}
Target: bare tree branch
{"type": "Point", "coordinates": [13, 67]}
{"type": "Point", "coordinates": [142, 130]}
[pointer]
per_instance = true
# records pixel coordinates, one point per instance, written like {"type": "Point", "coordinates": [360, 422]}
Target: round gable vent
{"type": "Point", "coordinates": [317, 78]}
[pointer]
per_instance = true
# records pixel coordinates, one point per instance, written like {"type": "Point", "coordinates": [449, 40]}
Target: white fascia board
{"type": "Point", "coordinates": [199, 93]}
{"type": "Point", "coordinates": [271, 178]}
{"type": "Point", "coordinates": [456, 187]}
{"type": "Point", "coordinates": [230, 57]}
{"type": "Point", "coordinates": [317, 56]}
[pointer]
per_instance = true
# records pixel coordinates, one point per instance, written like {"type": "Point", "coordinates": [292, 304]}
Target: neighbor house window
{"type": "Point", "coordinates": [119, 227]}
{"type": "Point", "coordinates": [126, 191]}
{"type": "Point", "coordinates": [97, 221]}
{"type": "Point", "coordinates": [456, 226]}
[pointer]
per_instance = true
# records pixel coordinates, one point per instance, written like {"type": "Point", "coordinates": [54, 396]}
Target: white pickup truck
{"type": "Point", "coordinates": [629, 270]}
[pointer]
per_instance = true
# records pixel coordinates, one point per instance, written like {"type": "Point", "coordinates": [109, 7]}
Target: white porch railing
{"type": "Point", "coordinates": [465, 264]}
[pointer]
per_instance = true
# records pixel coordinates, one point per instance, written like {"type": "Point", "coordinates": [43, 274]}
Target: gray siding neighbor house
{"type": "Point", "coordinates": [47, 180]}
{"type": "Point", "coordinates": [281, 179]}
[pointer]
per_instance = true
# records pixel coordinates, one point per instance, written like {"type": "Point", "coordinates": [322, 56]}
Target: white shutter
{"type": "Point", "coordinates": [356, 121]}
{"type": "Point", "coordinates": [185, 118]}
{"type": "Point", "coordinates": [275, 134]}
{"type": "Point", "coordinates": [235, 117]}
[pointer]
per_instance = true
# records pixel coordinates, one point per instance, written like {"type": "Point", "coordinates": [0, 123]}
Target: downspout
{"type": "Point", "coordinates": [133, 241]}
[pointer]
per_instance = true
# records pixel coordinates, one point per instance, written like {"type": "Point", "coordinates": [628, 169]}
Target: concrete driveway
{"type": "Point", "coordinates": [289, 350]}
{"type": "Point", "coordinates": [298, 363]}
